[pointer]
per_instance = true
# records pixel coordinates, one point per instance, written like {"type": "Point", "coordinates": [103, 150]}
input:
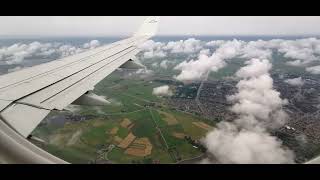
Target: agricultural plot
{"type": "Point", "coordinates": [127, 141]}
{"type": "Point", "coordinates": [140, 132]}
{"type": "Point", "coordinates": [140, 147]}
{"type": "Point", "coordinates": [202, 125]}
{"type": "Point", "coordinates": [169, 118]}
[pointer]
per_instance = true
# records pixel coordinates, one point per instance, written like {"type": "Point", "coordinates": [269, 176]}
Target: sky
{"type": "Point", "coordinates": [169, 25]}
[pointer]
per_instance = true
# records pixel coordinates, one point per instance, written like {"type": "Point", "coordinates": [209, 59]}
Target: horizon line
{"type": "Point", "coordinates": [120, 36]}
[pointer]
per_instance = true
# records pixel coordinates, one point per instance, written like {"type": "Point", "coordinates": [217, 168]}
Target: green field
{"type": "Point", "coordinates": [83, 141]}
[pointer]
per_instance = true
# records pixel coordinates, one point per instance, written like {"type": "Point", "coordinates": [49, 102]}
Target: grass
{"type": "Point", "coordinates": [189, 128]}
{"type": "Point", "coordinates": [93, 136]}
{"type": "Point", "coordinates": [72, 155]}
{"type": "Point", "coordinates": [123, 132]}
{"type": "Point", "coordinates": [95, 132]}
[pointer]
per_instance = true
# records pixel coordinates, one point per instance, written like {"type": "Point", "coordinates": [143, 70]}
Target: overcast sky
{"type": "Point", "coordinates": [169, 25]}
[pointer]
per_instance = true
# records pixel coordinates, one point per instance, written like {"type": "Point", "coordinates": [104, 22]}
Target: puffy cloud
{"type": "Point", "coordinates": [215, 44]}
{"type": "Point", "coordinates": [295, 82]}
{"type": "Point", "coordinates": [17, 53]}
{"type": "Point", "coordinates": [162, 91]}
{"type": "Point", "coordinates": [154, 54]}
{"type": "Point", "coordinates": [313, 70]}
{"type": "Point", "coordinates": [254, 68]}
{"type": "Point", "coordinates": [198, 69]}
{"type": "Point", "coordinates": [256, 49]}
{"type": "Point", "coordinates": [205, 52]}
{"type": "Point", "coordinates": [229, 49]}
{"type": "Point", "coordinates": [190, 45]}
{"type": "Point", "coordinates": [300, 52]}
{"type": "Point", "coordinates": [155, 64]}
{"type": "Point", "coordinates": [164, 64]}
{"type": "Point", "coordinates": [232, 146]}
{"type": "Point", "coordinates": [297, 63]}
{"type": "Point", "coordinates": [152, 49]}
{"type": "Point", "coordinates": [142, 73]}
{"type": "Point", "coordinates": [259, 108]}
{"type": "Point", "coordinates": [92, 44]}
{"type": "Point", "coordinates": [256, 96]}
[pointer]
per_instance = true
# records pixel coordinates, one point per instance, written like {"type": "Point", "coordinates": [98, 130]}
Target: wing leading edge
{"type": "Point", "coordinates": [27, 96]}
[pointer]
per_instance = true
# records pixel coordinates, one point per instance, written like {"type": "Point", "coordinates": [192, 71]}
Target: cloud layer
{"type": "Point", "coordinates": [17, 53]}
{"type": "Point", "coordinates": [295, 82]}
{"type": "Point", "coordinates": [259, 108]}
{"type": "Point", "coordinates": [204, 57]}
{"type": "Point", "coordinates": [314, 69]}
{"type": "Point", "coordinates": [162, 91]}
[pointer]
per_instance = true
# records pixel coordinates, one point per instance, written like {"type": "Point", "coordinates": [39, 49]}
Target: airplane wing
{"type": "Point", "coordinates": [27, 96]}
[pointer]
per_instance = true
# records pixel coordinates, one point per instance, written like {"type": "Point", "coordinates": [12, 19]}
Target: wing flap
{"type": "Point", "coordinates": [23, 118]}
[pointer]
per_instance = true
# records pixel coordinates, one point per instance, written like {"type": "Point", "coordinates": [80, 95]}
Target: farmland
{"type": "Point", "coordinates": [136, 127]}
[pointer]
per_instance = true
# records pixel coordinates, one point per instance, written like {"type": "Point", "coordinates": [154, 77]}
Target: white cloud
{"type": "Point", "coordinates": [152, 49]}
{"type": "Point", "coordinates": [259, 108]}
{"type": "Point", "coordinates": [256, 96]}
{"type": "Point", "coordinates": [215, 44]}
{"type": "Point", "coordinates": [162, 91]}
{"type": "Point", "coordinates": [141, 73]}
{"type": "Point", "coordinates": [232, 146]}
{"type": "Point", "coordinates": [313, 70]}
{"type": "Point", "coordinates": [155, 64]}
{"type": "Point", "coordinates": [188, 46]}
{"type": "Point", "coordinates": [198, 69]}
{"type": "Point", "coordinates": [297, 63]}
{"type": "Point", "coordinates": [154, 54]}
{"type": "Point", "coordinates": [300, 52]}
{"type": "Point", "coordinates": [17, 53]}
{"type": "Point", "coordinates": [205, 52]}
{"type": "Point", "coordinates": [92, 44]}
{"type": "Point", "coordinates": [256, 49]}
{"type": "Point", "coordinates": [295, 82]}
{"type": "Point", "coordinates": [164, 64]}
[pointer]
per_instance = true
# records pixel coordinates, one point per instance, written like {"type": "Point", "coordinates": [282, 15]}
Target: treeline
{"type": "Point", "coordinates": [195, 143]}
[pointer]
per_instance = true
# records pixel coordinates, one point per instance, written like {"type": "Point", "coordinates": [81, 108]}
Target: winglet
{"type": "Point", "coordinates": [149, 27]}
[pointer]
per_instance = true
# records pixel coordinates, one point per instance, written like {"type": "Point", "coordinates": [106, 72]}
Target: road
{"type": "Point", "coordinates": [198, 94]}
{"type": "Point", "coordinates": [193, 160]}
{"type": "Point", "coordinates": [159, 129]}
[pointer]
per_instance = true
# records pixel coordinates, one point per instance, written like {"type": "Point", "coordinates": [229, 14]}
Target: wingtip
{"type": "Point", "coordinates": [149, 26]}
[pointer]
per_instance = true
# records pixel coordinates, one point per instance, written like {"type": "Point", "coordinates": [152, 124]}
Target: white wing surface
{"type": "Point", "coordinates": [27, 96]}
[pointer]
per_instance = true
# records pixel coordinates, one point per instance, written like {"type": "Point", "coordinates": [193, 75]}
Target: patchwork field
{"type": "Point", "coordinates": [139, 127]}
{"type": "Point", "coordinates": [202, 125]}
{"type": "Point", "coordinates": [140, 147]}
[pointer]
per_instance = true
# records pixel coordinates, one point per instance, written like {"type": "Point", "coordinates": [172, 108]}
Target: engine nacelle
{"type": "Point", "coordinates": [91, 99]}
{"type": "Point", "coordinates": [132, 64]}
